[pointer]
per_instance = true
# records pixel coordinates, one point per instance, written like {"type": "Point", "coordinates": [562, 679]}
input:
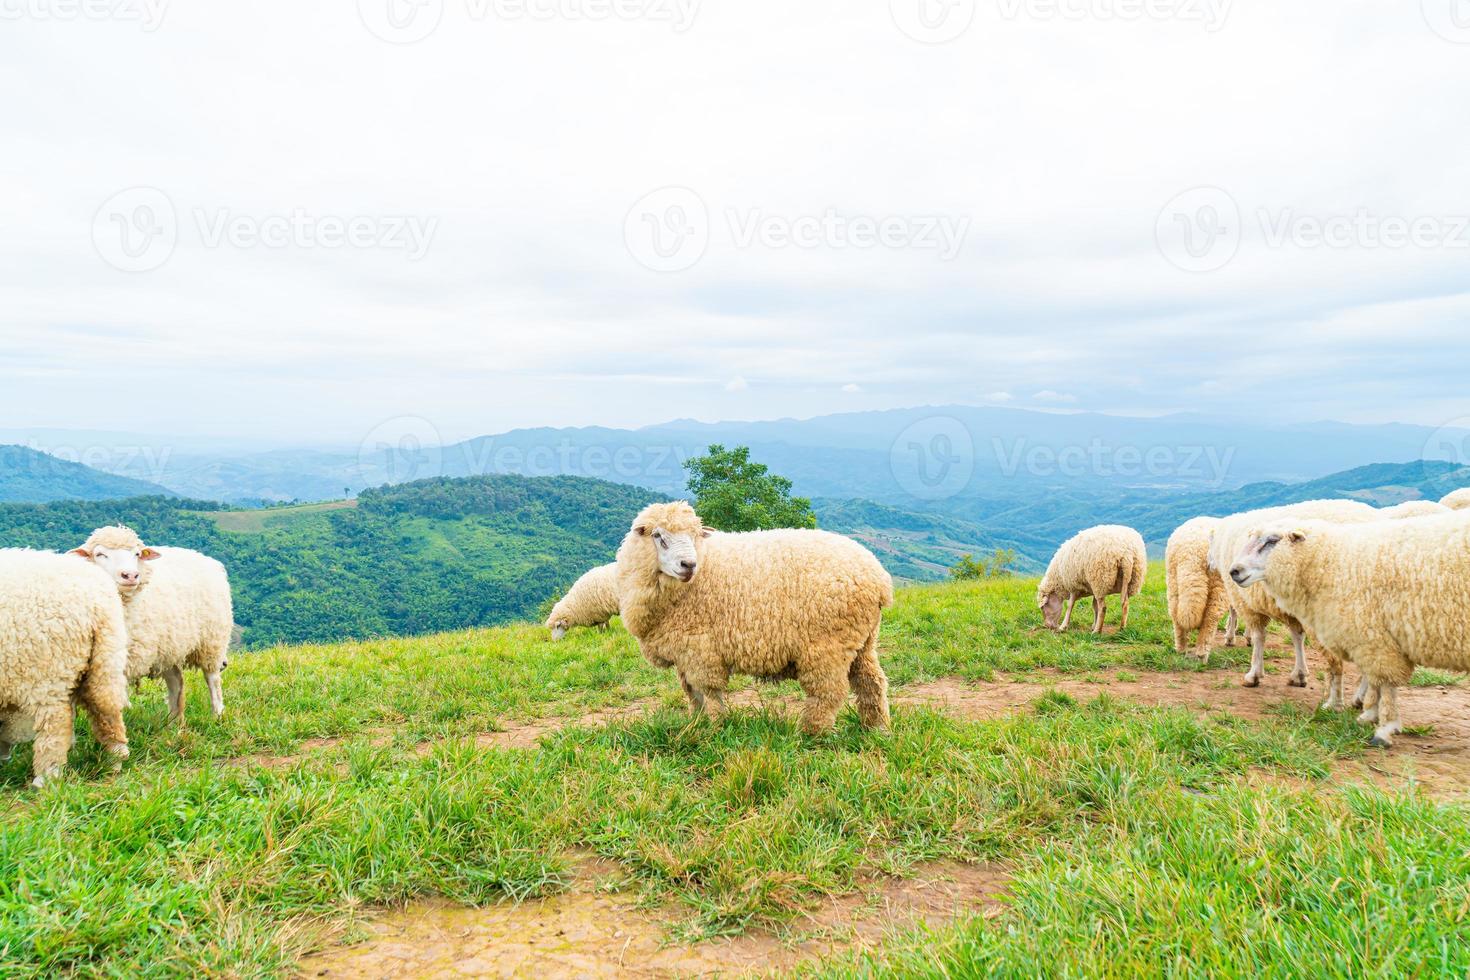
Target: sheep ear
{"type": "Point", "coordinates": [81, 553]}
{"type": "Point", "coordinates": [705, 532]}
{"type": "Point", "coordinates": [1297, 537]}
{"type": "Point", "coordinates": [641, 529]}
{"type": "Point", "coordinates": [148, 554]}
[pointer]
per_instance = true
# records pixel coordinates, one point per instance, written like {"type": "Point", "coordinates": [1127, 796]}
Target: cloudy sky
{"type": "Point", "coordinates": [293, 221]}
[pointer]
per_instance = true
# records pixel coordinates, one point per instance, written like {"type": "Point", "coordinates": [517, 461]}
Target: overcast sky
{"type": "Point", "coordinates": [294, 221]}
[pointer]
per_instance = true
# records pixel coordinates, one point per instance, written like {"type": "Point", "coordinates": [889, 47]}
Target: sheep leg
{"type": "Point", "coordinates": [1123, 623]}
{"type": "Point", "coordinates": [173, 677]}
{"type": "Point", "coordinates": [1230, 627]}
{"type": "Point", "coordinates": [1360, 696]}
{"type": "Point", "coordinates": [1067, 617]}
{"type": "Point", "coordinates": [1334, 684]}
{"type": "Point", "coordinates": [216, 693]}
{"type": "Point", "coordinates": [1258, 656]}
{"type": "Point", "coordinates": [108, 728]}
{"type": "Point", "coordinates": [869, 685]}
{"type": "Point", "coordinates": [1099, 610]}
{"type": "Point", "coordinates": [1181, 638]}
{"type": "Point", "coordinates": [5, 750]}
{"type": "Point", "coordinates": [696, 698]}
{"type": "Point", "coordinates": [1298, 676]}
{"type": "Point", "coordinates": [1388, 717]}
{"type": "Point", "coordinates": [53, 726]}
{"type": "Point", "coordinates": [826, 693]}
{"type": "Point", "coordinates": [1371, 698]}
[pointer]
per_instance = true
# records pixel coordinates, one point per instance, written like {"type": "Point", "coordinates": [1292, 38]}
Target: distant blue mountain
{"type": "Point", "coordinates": [31, 477]}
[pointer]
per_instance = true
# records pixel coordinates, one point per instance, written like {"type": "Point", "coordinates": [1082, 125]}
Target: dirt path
{"type": "Point", "coordinates": [589, 931]}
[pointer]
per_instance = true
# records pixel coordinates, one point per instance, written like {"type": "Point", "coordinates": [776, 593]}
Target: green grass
{"type": "Point", "coordinates": [256, 521]}
{"type": "Point", "coordinates": [1136, 843]}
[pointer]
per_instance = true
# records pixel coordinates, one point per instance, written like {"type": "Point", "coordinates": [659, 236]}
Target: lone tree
{"type": "Point", "coordinates": [733, 494]}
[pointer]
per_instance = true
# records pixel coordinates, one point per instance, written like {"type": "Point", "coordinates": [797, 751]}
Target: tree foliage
{"type": "Point", "coordinates": [969, 567]}
{"type": "Point", "coordinates": [731, 493]}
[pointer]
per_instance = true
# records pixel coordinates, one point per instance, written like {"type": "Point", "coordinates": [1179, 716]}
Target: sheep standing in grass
{"type": "Point", "coordinates": [178, 610]}
{"type": "Point", "coordinates": [1390, 595]}
{"type": "Point", "coordinates": [1457, 499]}
{"type": "Point", "coordinates": [1413, 508]}
{"type": "Point", "coordinates": [1098, 562]}
{"type": "Point", "coordinates": [769, 604]}
{"type": "Point", "coordinates": [591, 601]}
{"type": "Point", "coordinates": [1196, 595]}
{"type": "Point", "coordinates": [62, 637]}
{"type": "Point", "coordinates": [1257, 609]}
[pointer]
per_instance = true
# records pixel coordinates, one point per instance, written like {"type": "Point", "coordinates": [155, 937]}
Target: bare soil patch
{"type": "Point", "coordinates": [594, 931]}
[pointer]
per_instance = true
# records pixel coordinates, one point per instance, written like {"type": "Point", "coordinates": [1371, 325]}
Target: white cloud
{"type": "Point", "coordinates": [852, 389]}
{"type": "Point", "coordinates": [999, 397]}
{"type": "Point", "coordinates": [528, 286]}
{"type": "Point", "coordinates": [1047, 396]}
{"type": "Point", "coordinates": [736, 383]}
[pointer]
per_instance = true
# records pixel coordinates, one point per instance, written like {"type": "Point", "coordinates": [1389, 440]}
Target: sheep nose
{"type": "Point", "coordinates": [1238, 573]}
{"type": "Point", "coordinates": [686, 565]}
{"type": "Point", "coordinates": [128, 577]}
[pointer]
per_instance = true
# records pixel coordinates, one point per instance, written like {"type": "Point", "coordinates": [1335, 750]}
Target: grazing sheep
{"type": "Point", "coordinates": [62, 639]}
{"type": "Point", "coordinates": [1413, 508]}
{"type": "Point", "coordinates": [1097, 562]}
{"type": "Point", "coordinates": [1256, 608]}
{"type": "Point", "coordinates": [1388, 595]}
{"type": "Point", "coordinates": [1457, 499]}
{"type": "Point", "coordinates": [770, 604]}
{"type": "Point", "coordinates": [1196, 594]}
{"type": "Point", "coordinates": [591, 601]}
{"type": "Point", "coordinates": [178, 610]}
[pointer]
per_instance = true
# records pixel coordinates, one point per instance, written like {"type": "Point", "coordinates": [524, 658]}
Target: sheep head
{"type": "Point", "coordinates": [119, 552]}
{"type": "Point", "coordinates": [1051, 604]}
{"type": "Point", "coordinates": [672, 535]}
{"type": "Point", "coordinates": [1261, 544]}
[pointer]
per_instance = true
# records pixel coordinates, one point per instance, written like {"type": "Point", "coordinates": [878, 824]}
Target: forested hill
{"type": "Point", "coordinates": [415, 558]}
{"type": "Point", "coordinates": [28, 476]}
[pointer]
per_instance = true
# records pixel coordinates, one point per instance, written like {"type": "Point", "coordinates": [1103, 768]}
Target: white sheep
{"type": "Point", "coordinates": [1389, 595]}
{"type": "Point", "coordinates": [1413, 508]}
{"type": "Point", "coordinates": [62, 637]}
{"type": "Point", "coordinates": [1101, 561]}
{"type": "Point", "coordinates": [1457, 499]}
{"type": "Point", "coordinates": [591, 601]}
{"type": "Point", "coordinates": [178, 610]}
{"type": "Point", "coordinates": [1196, 595]}
{"type": "Point", "coordinates": [770, 604]}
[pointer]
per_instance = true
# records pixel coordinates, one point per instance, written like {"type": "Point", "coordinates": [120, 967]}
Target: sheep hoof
{"type": "Point", "coordinates": [1380, 742]}
{"type": "Point", "coordinates": [1296, 682]}
{"type": "Point", "coordinates": [1250, 681]}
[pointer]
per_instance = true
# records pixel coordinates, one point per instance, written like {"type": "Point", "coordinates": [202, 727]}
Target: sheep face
{"type": "Point", "coordinates": [1051, 605]}
{"type": "Point", "coordinates": [675, 534]}
{"type": "Point", "coordinates": [127, 566]}
{"type": "Point", "coordinates": [1251, 563]}
{"type": "Point", "coordinates": [558, 628]}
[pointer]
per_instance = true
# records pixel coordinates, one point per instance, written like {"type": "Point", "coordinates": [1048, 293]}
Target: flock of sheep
{"type": "Point", "coordinates": [1382, 588]}
{"type": "Point", "coordinates": [76, 629]}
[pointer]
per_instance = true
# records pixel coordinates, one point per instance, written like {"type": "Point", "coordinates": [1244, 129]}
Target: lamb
{"type": "Point", "coordinates": [591, 601]}
{"type": "Point", "coordinates": [1388, 595]}
{"type": "Point", "coordinates": [62, 637]}
{"type": "Point", "coordinates": [1196, 595]}
{"type": "Point", "coordinates": [1098, 562]}
{"type": "Point", "coordinates": [770, 604]}
{"type": "Point", "coordinates": [1413, 508]}
{"type": "Point", "coordinates": [1457, 499]}
{"type": "Point", "coordinates": [178, 611]}
{"type": "Point", "coordinates": [1255, 606]}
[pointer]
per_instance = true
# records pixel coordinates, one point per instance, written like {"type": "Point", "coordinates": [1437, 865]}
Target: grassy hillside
{"type": "Point", "coordinates": [28, 476]}
{"type": "Point", "coordinates": [1133, 838]}
{"type": "Point", "coordinates": [415, 558]}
